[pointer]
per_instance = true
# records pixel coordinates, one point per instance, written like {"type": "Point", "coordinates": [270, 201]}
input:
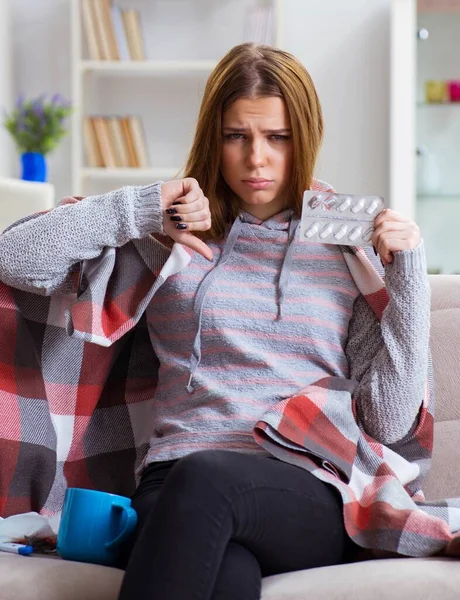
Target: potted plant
{"type": "Point", "coordinates": [37, 126]}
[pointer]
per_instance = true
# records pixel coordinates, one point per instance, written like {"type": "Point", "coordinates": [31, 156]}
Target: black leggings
{"type": "Point", "coordinates": [213, 523]}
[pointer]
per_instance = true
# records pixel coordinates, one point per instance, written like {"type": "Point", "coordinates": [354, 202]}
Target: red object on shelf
{"type": "Point", "coordinates": [454, 90]}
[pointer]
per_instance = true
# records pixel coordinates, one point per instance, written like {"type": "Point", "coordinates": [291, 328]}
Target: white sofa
{"type": "Point", "coordinates": [20, 198]}
{"type": "Point", "coordinates": [37, 578]}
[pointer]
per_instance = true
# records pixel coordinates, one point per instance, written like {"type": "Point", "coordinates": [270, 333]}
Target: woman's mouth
{"type": "Point", "coordinates": [258, 183]}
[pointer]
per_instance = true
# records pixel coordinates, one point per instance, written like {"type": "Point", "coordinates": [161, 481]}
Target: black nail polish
{"type": "Point", "coordinates": [176, 202]}
{"type": "Point", "coordinates": [380, 260]}
{"type": "Point", "coordinates": [375, 251]}
{"type": "Point", "coordinates": [181, 225]}
{"type": "Point", "coordinates": [171, 211]}
{"type": "Point", "coordinates": [176, 218]}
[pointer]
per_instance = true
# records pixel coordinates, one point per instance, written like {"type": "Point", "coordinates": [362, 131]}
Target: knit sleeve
{"type": "Point", "coordinates": [43, 253]}
{"type": "Point", "coordinates": [390, 359]}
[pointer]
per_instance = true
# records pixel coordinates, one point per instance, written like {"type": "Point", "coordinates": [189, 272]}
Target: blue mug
{"type": "Point", "coordinates": [94, 525]}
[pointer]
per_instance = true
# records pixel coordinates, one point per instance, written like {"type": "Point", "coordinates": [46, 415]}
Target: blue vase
{"type": "Point", "coordinates": [33, 166]}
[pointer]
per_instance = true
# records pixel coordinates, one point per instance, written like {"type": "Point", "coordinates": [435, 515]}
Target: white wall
{"type": "Point", "coordinates": [6, 91]}
{"type": "Point", "coordinates": [345, 47]}
{"type": "Point", "coordinates": [41, 64]}
{"type": "Point", "coordinates": [343, 44]}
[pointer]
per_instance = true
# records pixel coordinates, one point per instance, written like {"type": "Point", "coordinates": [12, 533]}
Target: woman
{"type": "Point", "coordinates": [256, 316]}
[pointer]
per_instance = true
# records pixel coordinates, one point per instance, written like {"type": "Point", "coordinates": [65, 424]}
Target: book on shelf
{"type": "Point", "coordinates": [104, 29]}
{"type": "Point", "coordinates": [120, 34]}
{"type": "Point", "coordinates": [132, 23]}
{"type": "Point", "coordinates": [105, 144]}
{"type": "Point", "coordinates": [118, 142]}
{"type": "Point", "coordinates": [93, 41]}
{"type": "Point", "coordinates": [138, 138]}
{"type": "Point", "coordinates": [132, 159]}
{"type": "Point", "coordinates": [115, 142]}
{"type": "Point", "coordinates": [110, 29]}
{"type": "Point", "coordinates": [91, 144]}
{"type": "Point", "coordinates": [111, 33]}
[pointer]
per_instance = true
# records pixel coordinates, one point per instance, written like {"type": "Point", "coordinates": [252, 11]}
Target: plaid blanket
{"type": "Point", "coordinates": [384, 507]}
{"type": "Point", "coordinates": [77, 377]}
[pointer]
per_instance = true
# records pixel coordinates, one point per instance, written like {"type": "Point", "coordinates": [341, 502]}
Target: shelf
{"type": "Point", "coordinates": [434, 197]}
{"type": "Point", "coordinates": [451, 104]}
{"type": "Point", "coordinates": [164, 67]}
{"type": "Point", "coordinates": [130, 173]}
{"type": "Point", "coordinates": [187, 66]}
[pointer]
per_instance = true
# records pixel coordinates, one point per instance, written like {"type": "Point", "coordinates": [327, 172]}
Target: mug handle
{"type": "Point", "coordinates": [131, 521]}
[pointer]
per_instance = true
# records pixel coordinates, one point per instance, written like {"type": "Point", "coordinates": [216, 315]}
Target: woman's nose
{"type": "Point", "coordinates": [256, 155]}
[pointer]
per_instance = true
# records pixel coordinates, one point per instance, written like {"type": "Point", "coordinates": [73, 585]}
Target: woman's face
{"type": "Point", "coordinates": [257, 154]}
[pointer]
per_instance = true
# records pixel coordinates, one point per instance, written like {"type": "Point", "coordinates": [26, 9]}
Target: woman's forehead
{"type": "Point", "coordinates": [271, 109]}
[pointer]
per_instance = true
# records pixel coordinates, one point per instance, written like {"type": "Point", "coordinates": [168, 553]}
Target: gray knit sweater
{"type": "Point", "coordinates": [269, 315]}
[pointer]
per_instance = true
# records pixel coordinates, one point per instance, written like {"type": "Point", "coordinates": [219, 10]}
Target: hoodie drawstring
{"type": "Point", "coordinates": [207, 282]}
{"type": "Point", "coordinates": [283, 280]}
{"type": "Point", "coordinates": [201, 294]}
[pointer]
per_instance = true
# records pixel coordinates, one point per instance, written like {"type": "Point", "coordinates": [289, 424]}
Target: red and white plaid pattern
{"type": "Point", "coordinates": [78, 372]}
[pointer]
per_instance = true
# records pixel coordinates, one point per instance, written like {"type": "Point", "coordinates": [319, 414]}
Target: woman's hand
{"type": "Point", "coordinates": [394, 232]}
{"type": "Point", "coordinates": [186, 209]}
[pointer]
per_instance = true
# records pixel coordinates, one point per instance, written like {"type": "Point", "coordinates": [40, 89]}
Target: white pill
{"type": "Point", "coordinates": [345, 204]}
{"type": "Point", "coordinates": [355, 233]}
{"type": "Point", "coordinates": [373, 206]}
{"type": "Point", "coordinates": [341, 231]}
{"type": "Point", "coordinates": [312, 230]}
{"type": "Point", "coordinates": [358, 206]}
{"type": "Point", "coordinates": [314, 202]}
{"type": "Point", "coordinates": [367, 235]}
{"type": "Point", "coordinates": [326, 231]}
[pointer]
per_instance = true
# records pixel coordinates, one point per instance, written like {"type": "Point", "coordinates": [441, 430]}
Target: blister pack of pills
{"type": "Point", "coordinates": [340, 219]}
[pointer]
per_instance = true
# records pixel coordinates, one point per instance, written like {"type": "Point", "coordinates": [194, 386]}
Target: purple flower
{"type": "Point", "coordinates": [38, 105]}
{"type": "Point", "coordinates": [59, 100]}
{"type": "Point", "coordinates": [20, 101]}
{"type": "Point", "coordinates": [56, 98]}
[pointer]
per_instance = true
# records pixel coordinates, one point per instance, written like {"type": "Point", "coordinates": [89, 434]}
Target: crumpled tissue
{"type": "Point", "coordinates": [31, 529]}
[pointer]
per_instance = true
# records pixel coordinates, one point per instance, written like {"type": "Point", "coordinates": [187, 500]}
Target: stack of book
{"type": "Point", "coordinates": [259, 25]}
{"type": "Point", "coordinates": [111, 33]}
{"type": "Point", "coordinates": [114, 142]}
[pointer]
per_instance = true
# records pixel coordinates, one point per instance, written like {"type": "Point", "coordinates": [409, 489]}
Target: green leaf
{"type": "Point", "coordinates": [37, 125]}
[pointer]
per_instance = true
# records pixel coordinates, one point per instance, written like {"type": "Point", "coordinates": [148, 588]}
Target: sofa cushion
{"type": "Point", "coordinates": [387, 579]}
{"type": "Point", "coordinates": [42, 578]}
{"type": "Point", "coordinates": [443, 480]}
{"type": "Point", "coordinates": [445, 344]}
{"type": "Point", "coordinates": [51, 578]}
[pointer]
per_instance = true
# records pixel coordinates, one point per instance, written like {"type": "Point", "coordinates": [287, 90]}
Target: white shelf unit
{"type": "Point", "coordinates": [172, 67]}
{"type": "Point", "coordinates": [165, 91]}
{"type": "Point", "coordinates": [415, 123]}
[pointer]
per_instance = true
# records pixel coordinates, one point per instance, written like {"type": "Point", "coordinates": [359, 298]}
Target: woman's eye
{"type": "Point", "coordinates": [240, 136]}
{"type": "Point", "coordinates": [233, 136]}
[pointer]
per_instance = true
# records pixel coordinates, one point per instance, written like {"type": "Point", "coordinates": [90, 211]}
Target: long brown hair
{"type": "Point", "coordinates": [253, 71]}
